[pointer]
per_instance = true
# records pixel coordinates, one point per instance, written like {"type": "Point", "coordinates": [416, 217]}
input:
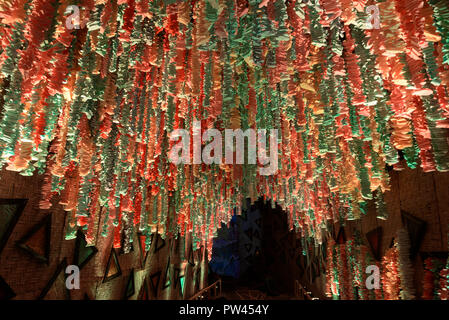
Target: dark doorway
{"type": "Point", "coordinates": [255, 252]}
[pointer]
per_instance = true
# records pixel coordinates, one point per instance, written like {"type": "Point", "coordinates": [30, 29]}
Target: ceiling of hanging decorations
{"type": "Point", "coordinates": [91, 89]}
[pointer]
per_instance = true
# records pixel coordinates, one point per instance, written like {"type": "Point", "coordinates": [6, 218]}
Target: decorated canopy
{"type": "Point", "coordinates": [92, 89]}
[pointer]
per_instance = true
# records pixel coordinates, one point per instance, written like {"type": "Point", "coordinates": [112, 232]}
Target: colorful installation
{"type": "Point", "coordinates": [390, 278]}
{"type": "Point", "coordinates": [443, 291]}
{"type": "Point", "coordinates": [166, 282]}
{"type": "Point", "coordinates": [90, 100]}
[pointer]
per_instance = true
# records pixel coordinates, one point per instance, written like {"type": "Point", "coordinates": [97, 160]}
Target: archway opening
{"type": "Point", "coordinates": [255, 254]}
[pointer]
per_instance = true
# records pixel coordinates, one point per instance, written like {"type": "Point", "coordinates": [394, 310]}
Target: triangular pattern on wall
{"type": "Point", "coordinates": [374, 238]}
{"type": "Point", "coordinates": [57, 284]}
{"type": "Point", "coordinates": [83, 253]}
{"type": "Point", "coordinates": [160, 243]}
{"type": "Point", "coordinates": [142, 245]}
{"type": "Point", "coordinates": [200, 254]}
{"type": "Point", "coordinates": [341, 237]}
{"type": "Point", "coordinates": [167, 278]}
{"type": "Point", "coordinates": [36, 241]}
{"type": "Point", "coordinates": [130, 286]}
{"type": "Point", "coordinates": [196, 280]}
{"type": "Point", "coordinates": [112, 270]}
{"type": "Point", "coordinates": [6, 292]}
{"type": "Point", "coordinates": [182, 287]}
{"type": "Point", "coordinates": [391, 243]}
{"type": "Point", "coordinates": [10, 212]}
{"type": "Point", "coordinates": [416, 229]}
{"type": "Point", "coordinates": [179, 275]}
{"type": "Point", "coordinates": [155, 279]}
{"type": "Point", "coordinates": [191, 257]}
{"type": "Point", "coordinates": [143, 294]}
{"type": "Point", "coordinates": [172, 244]}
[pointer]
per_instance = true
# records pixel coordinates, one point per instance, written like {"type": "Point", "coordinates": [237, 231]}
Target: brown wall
{"type": "Point", "coordinates": [28, 277]}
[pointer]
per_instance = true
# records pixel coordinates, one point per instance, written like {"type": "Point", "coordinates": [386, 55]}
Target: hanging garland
{"type": "Point", "coordinates": [346, 271]}
{"type": "Point", "coordinates": [92, 108]}
{"type": "Point", "coordinates": [390, 274]}
{"type": "Point", "coordinates": [443, 292]}
{"type": "Point", "coordinates": [428, 280]}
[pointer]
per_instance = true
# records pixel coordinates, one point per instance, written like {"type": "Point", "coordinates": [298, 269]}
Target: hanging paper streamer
{"type": "Point", "coordinates": [346, 271]}
{"type": "Point", "coordinates": [390, 274]}
{"type": "Point", "coordinates": [89, 99]}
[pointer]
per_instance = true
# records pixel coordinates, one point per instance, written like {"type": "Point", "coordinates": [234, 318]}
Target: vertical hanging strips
{"type": "Point", "coordinates": [93, 108]}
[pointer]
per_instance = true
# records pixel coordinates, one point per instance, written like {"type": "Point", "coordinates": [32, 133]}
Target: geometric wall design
{"type": "Point", "coordinates": [160, 243]}
{"type": "Point", "coordinates": [142, 245]}
{"type": "Point", "coordinates": [10, 212]}
{"type": "Point", "coordinates": [155, 278]}
{"type": "Point", "coordinates": [6, 292]}
{"type": "Point", "coordinates": [374, 238]}
{"type": "Point", "coordinates": [190, 257]}
{"type": "Point", "coordinates": [167, 280]}
{"type": "Point", "coordinates": [179, 275]}
{"type": "Point", "coordinates": [130, 289]}
{"type": "Point", "coordinates": [143, 295]}
{"type": "Point", "coordinates": [56, 286]}
{"type": "Point", "coordinates": [83, 253]}
{"type": "Point", "coordinates": [341, 237]}
{"type": "Point", "coordinates": [416, 229]}
{"type": "Point", "coordinates": [112, 268]}
{"type": "Point", "coordinates": [36, 241]}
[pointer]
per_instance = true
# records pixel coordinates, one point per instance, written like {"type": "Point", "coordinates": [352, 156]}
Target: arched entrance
{"type": "Point", "coordinates": [255, 254]}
